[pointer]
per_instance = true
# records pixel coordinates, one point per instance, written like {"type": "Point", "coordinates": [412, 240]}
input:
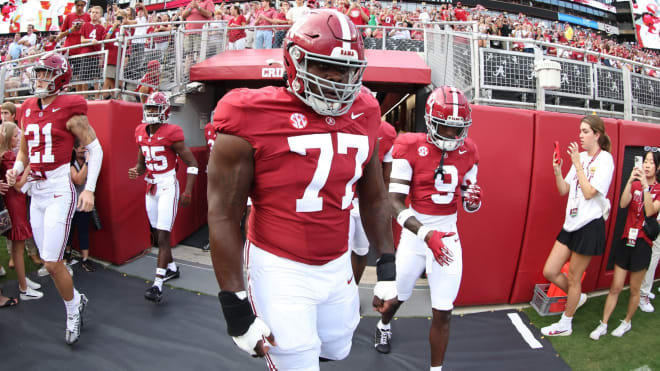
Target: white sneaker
{"type": "Point", "coordinates": [31, 284]}
{"type": "Point", "coordinates": [599, 331]}
{"type": "Point", "coordinates": [583, 299]}
{"type": "Point", "coordinates": [651, 295]}
{"type": "Point", "coordinates": [31, 294]}
{"type": "Point", "coordinates": [3, 272]}
{"type": "Point", "coordinates": [42, 271]}
{"type": "Point", "coordinates": [622, 329]}
{"type": "Point", "coordinates": [645, 305]}
{"type": "Point", "coordinates": [557, 329]}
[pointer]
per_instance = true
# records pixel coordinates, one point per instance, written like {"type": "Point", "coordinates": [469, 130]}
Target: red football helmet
{"type": "Point", "coordinates": [57, 74]}
{"type": "Point", "coordinates": [156, 109]}
{"type": "Point", "coordinates": [446, 107]}
{"type": "Point", "coordinates": [326, 37]}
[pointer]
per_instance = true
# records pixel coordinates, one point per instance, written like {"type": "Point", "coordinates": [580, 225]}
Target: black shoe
{"type": "Point", "coordinates": [87, 266]}
{"type": "Point", "coordinates": [170, 274]}
{"type": "Point", "coordinates": [206, 247]}
{"type": "Point", "coordinates": [382, 340]}
{"type": "Point", "coordinates": [153, 293]}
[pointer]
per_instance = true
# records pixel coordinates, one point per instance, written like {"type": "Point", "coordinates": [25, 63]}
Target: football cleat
{"type": "Point", "coordinates": [170, 274]}
{"type": "Point", "coordinates": [75, 322]}
{"type": "Point", "coordinates": [382, 340]}
{"type": "Point", "coordinates": [154, 294]}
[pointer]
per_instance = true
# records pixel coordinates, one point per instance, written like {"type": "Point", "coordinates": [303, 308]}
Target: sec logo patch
{"type": "Point", "coordinates": [298, 120]}
{"type": "Point", "coordinates": [423, 151]}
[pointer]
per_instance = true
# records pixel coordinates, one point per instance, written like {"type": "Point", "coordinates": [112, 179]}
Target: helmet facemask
{"type": "Point", "coordinates": [445, 143]}
{"type": "Point", "coordinates": [326, 97]}
{"type": "Point", "coordinates": [49, 75]}
{"type": "Point", "coordinates": [154, 113]}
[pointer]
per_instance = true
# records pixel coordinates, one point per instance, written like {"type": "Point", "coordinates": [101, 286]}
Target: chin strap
{"type": "Point", "coordinates": [440, 170]}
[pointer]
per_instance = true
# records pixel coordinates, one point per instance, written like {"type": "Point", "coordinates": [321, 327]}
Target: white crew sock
{"type": "Point", "coordinates": [72, 305]}
{"type": "Point", "coordinates": [172, 266]}
{"type": "Point", "coordinates": [383, 326]}
{"type": "Point", "coordinates": [436, 368]}
{"type": "Point", "coordinates": [566, 320]}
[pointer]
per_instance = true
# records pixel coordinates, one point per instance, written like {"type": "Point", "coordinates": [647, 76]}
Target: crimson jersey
{"type": "Point", "coordinates": [210, 134]}
{"type": "Point", "coordinates": [49, 141]}
{"type": "Point", "coordinates": [92, 31]}
{"type": "Point", "coordinates": [159, 156]}
{"type": "Point", "coordinates": [386, 136]}
{"type": "Point", "coordinates": [419, 160]}
{"type": "Point", "coordinates": [635, 218]}
{"type": "Point", "coordinates": [74, 37]}
{"type": "Point", "coordinates": [305, 168]}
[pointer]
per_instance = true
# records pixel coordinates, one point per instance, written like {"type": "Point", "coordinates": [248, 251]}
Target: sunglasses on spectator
{"type": "Point", "coordinates": [651, 149]}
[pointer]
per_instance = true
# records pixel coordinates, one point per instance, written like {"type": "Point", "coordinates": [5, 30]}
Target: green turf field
{"type": "Point", "coordinates": [639, 349]}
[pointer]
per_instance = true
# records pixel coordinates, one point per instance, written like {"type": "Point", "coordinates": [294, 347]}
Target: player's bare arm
{"type": "Point", "coordinates": [139, 168]}
{"type": "Point", "coordinates": [79, 126]}
{"type": "Point", "coordinates": [186, 155]}
{"type": "Point", "coordinates": [230, 174]}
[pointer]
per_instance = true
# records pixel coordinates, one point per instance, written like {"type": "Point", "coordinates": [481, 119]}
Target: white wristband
{"type": "Point", "coordinates": [19, 166]}
{"type": "Point", "coordinates": [399, 188]}
{"type": "Point", "coordinates": [192, 170]}
{"type": "Point", "coordinates": [422, 232]}
{"type": "Point", "coordinates": [403, 216]}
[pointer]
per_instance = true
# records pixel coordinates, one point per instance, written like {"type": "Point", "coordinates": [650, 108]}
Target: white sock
{"type": "Point", "coordinates": [383, 326]}
{"type": "Point", "coordinates": [72, 305]}
{"type": "Point", "coordinates": [159, 283]}
{"type": "Point", "coordinates": [566, 320]}
{"type": "Point", "coordinates": [436, 368]}
{"type": "Point", "coordinates": [172, 266]}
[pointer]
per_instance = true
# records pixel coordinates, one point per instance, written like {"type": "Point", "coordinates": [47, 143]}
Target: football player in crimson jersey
{"type": "Point", "coordinates": [437, 170]}
{"type": "Point", "coordinates": [49, 123]}
{"type": "Point", "coordinates": [159, 144]}
{"type": "Point", "coordinates": [301, 153]}
{"type": "Point", "coordinates": [357, 239]}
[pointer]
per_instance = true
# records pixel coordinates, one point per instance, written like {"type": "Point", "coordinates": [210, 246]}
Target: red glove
{"type": "Point", "coordinates": [473, 196]}
{"type": "Point", "coordinates": [441, 253]}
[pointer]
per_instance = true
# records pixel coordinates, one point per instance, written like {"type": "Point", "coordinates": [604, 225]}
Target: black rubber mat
{"type": "Point", "coordinates": [186, 331]}
{"type": "Point", "coordinates": [199, 238]}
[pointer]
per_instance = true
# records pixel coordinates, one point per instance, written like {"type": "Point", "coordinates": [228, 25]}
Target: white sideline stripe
{"type": "Point", "coordinates": [524, 331]}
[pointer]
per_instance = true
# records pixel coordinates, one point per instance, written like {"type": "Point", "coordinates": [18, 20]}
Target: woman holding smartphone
{"type": "Point", "coordinates": [633, 253]}
{"type": "Point", "coordinates": [583, 233]}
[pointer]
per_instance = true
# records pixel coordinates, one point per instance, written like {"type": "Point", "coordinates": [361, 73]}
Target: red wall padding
{"type": "Point", "coordinates": [545, 215]}
{"type": "Point", "coordinates": [491, 238]}
{"type": "Point", "coordinates": [120, 201]}
{"type": "Point", "coordinates": [631, 134]}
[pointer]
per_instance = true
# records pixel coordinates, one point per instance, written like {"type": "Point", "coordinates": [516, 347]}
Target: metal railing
{"type": "Point", "coordinates": [451, 49]}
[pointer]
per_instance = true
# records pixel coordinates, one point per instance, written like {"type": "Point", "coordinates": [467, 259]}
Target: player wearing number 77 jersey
{"type": "Point", "coordinates": [437, 170]}
{"type": "Point", "coordinates": [49, 123]}
{"type": "Point", "coordinates": [301, 153]}
{"type": "Point", "coordinates": [159, 143]}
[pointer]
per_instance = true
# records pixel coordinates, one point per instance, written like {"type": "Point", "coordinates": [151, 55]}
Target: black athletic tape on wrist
{"type": "Point", "coordinates": [386, 268]}
{"type": "Point", "coordinates": [238, 313]}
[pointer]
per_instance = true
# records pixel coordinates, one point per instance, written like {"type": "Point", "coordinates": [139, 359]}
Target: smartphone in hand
{"type": "Point", "coordinates": [556, 155]}
{"type": "Point", "coordinates": [639, 162]}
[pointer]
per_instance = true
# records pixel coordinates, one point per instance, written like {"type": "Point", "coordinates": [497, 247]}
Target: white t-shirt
{"type": "Point", "coordinates": [296, 13]}
{"type": "Point", "coordinates": [424, 17]}
{"type": "Point", "coordinates": [599, 173]}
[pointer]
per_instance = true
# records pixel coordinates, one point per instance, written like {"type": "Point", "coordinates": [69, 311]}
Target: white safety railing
{"type": "Point", "coordinates": [452, 50]}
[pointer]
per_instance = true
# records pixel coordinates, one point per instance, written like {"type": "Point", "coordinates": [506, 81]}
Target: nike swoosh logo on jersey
{"type": "Point", "coordinates": [160, 138]}
{"type": "Point", "coordinates": [57, 196]}
{"type": "Point", "coordinates": [462, 152]}
{"type": "Point", "coordinates": [354, 115]}
{"type": "Point", "coordinates": [350, 280]}
{"type": "Point", "coordinates": [56, 109]}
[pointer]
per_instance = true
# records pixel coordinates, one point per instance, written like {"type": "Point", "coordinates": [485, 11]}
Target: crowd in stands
{"type": "Point", "coordinates": [95, 24]}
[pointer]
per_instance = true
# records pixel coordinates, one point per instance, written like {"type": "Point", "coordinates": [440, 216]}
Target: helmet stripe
{"type": "Point", "coordinates": [454, 98]}
{"type": "Point", "coordinates": [345, 29]}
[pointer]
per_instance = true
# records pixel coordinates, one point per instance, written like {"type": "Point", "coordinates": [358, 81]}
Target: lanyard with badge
{"type": "Point", "coordinates": [574, 201]}
{"type": "Point", "coordinates": [634, 232]}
